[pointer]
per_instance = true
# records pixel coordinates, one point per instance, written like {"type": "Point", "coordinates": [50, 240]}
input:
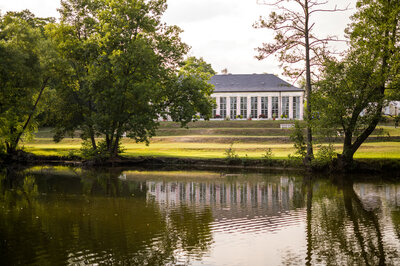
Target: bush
{"type": "Point", "coordinates": [231, 155]}
{"type": "Point", "coordinates": [267, 156]}
{"type": "Point", "coordinates": [101, 153]}
{"type": "Point", "coordinates": [293, 161]}
{"type": "Point", "coordinates": [297, 136]}
{"type": "Point", "coordinates": [324, 157]}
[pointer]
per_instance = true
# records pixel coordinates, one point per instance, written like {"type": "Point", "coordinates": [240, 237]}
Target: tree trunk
{"type": "Point", "coordinates": [310, 154]}
{"type": "Point", "coordinates": [93, 140]}
{"type": "Point", "coordinates": [31, 114]}
{"type": "Point", "coordinates": [350, 147]}
{"type": "Point", "coordinates": [114, 153]}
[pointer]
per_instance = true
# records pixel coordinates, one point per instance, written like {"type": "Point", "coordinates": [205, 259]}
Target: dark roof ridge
{"type": "Point", "coordinates": [251, 83]}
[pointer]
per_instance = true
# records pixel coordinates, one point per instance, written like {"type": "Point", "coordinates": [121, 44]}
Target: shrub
{"type": "Point", "coordinates": [293, 161]}
{"type": "Point", "coordinates": [101, 153]}
{"type": "Point", "coordinates": [245, 160]}
{"type": "Point", "coordinates": [267, 156]}
{"type": "Point", "coordinates": [324, 157]}
{"type": "Point", "coordinates": [231, 155]}
{"type": "Point", "coordinates": [297, 136]}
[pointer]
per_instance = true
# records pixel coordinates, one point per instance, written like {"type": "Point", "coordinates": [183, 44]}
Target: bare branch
{"type": "Point", "coordinates": [331, 10]}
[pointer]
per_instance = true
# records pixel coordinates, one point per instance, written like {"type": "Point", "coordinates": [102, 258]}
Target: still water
{"type": "Point", "coordinates": [60, 215]}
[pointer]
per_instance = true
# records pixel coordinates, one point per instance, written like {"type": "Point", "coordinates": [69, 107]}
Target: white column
{"type": "Point", "coordinates": [301, 116]}
{"type": "Point", "coordinates": [269, 107]}
{"type": "Point", "coordinates": [228, 107]}
{"type": "Point", "coordinates": [258, 106]}
{"type": "Point", "coordinates": [237, 105]}
{"type": "Point", "coordinates": [279, 106]}
{"type": "Point", "coordinates": [248, 106]}
{"type": "Point", "coordinates": [218, 107]}
{"type": "Point", "coordinates": [290, 107]}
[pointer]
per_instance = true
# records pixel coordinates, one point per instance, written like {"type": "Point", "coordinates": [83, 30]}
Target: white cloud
{"type": "Point", "coordinates": [41, 8]}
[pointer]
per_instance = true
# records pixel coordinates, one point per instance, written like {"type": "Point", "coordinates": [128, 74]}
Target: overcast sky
{"type": "Point", "coordinates": [220, 31]}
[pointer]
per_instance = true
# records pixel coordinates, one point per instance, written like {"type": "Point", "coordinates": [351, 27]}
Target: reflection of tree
{"type": "Point", "coordinates": [309, 188]}
{"type": "Point", "coordinates": [96, 222]}
{"type": "Point", "coordinates": [368, 220]}
{"type": "Point", "coordinates": [193, 228]}
{"type": "Point", "coordinates": [343, 230]}
{"type": "Point", "coordinates": [396, 222]}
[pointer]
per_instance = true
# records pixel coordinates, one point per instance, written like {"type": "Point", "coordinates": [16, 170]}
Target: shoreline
{"type": "Point", "coordinates": [379, 166]}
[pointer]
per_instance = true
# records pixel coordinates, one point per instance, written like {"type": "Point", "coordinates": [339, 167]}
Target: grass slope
{"type": "Point", "coordinates": [210, 146]}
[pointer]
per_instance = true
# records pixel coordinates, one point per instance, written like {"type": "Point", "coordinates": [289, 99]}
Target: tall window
{"type": "Point", "coordinates": [222, 106]}
{"type": "Point", "coordinates": [243, 107]}
{"type": "Point", "coordinates": [275, 107]}
{"type": "Point", "coordinates": [214, 110]}
{"type": "Point", "coordinates": [264, 107]}
{"type": "Point", "coordinates": [233, 107]}
{"type": "Point", "coordinates": [254, 107]}
{"type": "Point", "coordinates": [285, 106]}
{"type": "Point", "coordinates": [296, 107]}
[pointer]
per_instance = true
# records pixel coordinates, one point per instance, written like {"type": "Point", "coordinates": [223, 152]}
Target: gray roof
{"type": "Point", "coordinates": [250, 83]}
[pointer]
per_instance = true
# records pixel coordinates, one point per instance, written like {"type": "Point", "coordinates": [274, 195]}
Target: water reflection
{"type": "Point", "coordinates": [64, 215]}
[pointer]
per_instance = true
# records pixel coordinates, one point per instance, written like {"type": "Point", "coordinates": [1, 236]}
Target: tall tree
{"type": "Point", "coordinates": [75, 39]}
{"type": "Point", "coordinates": [353, 91]}
{"type": "Point", "coordinates": [128, 71]}
{"type": "Point", "coordinates": [295, 43]}
{"type": "Point", "coordinates": [27, 63]}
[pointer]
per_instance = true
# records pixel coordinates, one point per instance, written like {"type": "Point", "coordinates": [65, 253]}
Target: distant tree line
{"type": "Point", "coordinates": [105, 69]}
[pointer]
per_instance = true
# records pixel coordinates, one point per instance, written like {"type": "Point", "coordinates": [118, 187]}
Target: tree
{"type": "Point", "coordinates": [75, 40]}
{"type": "Point", "coordinates": [295, 43]}
{"type": "Point", "coordinates": [27, 61]}
{"type": "Point", "coordinates": [353, 91]}
{"type": "Point", "coordinates": [128, 70]}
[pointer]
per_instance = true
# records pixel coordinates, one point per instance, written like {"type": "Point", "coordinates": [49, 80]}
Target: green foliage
{"type": "Point", "coordinates": [231, 155]}
{"type": "Point", "coordinates": [199, 65]}
{"type": "Point", "coordinates": [267, 156]}
{"type": "Point", "coordinates": [297, 136]}
{"type": "Point", "coordinates": [293, 161]}
{"type": "Point", "coordinates": [100, 153]}
{"type": "Point", "coordinates": [324, 156]}
{"type": "Point", "coordinates": [127, 70]}
{"type": "Point", "coordinates": [27, 63]}
{"type": "Point", "coordinates": [245, 160]}
{"type": "Point", "coordinates": [353, 91]}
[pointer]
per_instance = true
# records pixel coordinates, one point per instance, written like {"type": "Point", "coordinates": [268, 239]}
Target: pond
{"type": "Point", "coordinates": [61, 215]}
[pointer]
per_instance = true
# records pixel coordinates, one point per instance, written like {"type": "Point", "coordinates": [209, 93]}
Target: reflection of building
{"type": "Point", "coordinates": [270, 197]}
{"type": "Point", "coordinates": [373, 196]}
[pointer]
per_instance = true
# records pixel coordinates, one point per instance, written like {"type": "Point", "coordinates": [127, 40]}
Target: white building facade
{"type": "Point", "coordinates": [256, 96]}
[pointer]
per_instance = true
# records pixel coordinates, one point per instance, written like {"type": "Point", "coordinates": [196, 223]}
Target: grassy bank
{"type": "Point", "coordinates": [210, 139]}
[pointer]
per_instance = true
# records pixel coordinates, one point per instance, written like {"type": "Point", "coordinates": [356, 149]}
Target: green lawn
{"type": "Point", "coordinates": [173, 148]}
{"type": "Point", "coordinates": [210, 139]}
